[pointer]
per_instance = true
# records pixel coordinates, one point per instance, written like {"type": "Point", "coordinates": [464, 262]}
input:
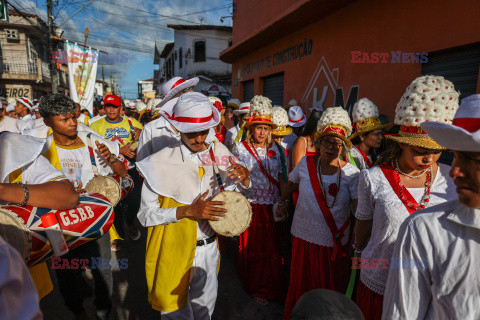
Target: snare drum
{"type": "Point", "coordinates": [238, 215]}
{"type": "Point", "coordinates": [22, 227]}
{"type": "Point", "coordinates": [113, 187]}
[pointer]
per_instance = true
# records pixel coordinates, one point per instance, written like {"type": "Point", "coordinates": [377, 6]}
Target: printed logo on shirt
{"type": "Point", "coordinates": [72, 169]}
{"type": "Point", "coordinates": [116, 132]}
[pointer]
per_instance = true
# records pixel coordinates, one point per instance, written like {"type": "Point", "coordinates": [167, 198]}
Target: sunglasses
{"type": "Point", "coordinates": [112, 106]}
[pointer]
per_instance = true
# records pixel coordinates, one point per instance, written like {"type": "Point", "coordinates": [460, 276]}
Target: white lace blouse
{"type": "Point", "coordinates": [262, 191]}
{"type": "Point", "coordinates": [378, 201]}
{"type": "Point", "coordinates": [308, 222]}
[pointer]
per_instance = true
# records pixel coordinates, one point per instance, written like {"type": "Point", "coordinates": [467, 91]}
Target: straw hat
{"type": "Point", "coordinates": [296, 117]}
{"type": "Point", "coordinates": [192, 112]}
{"type": "Point", "coordinates": [335, 122]}
{"type": "Point", "coordinates": [280, 119]}
{"type": "Point", "coordinates": [464, 132]}
{"type": "Point", "coordinates": [244, 108]}
{"type": "Point", "coordinates": [365, 117]}
{"type": "Point", "coordinates": [260, 111]}
{"type": "Point", "coordinates": [173, 86]}
{"type": "Point", "coordinates": [234, 103]}
{"type": "Point", "coordinates": [428, 98]}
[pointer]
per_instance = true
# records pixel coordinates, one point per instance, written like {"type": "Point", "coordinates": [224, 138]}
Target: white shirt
{"type": "Point", "coordinates": [443, 282]}
{"type": "Point", "coordinates": [231, 135]}
{"type": "Point", "coordinates": [151, 215]}
{"type": "Point", "coordinates": [378, 201]}
{"type": "Point", "coordinates": [308, 221]}
{"type": "Point", "coordinates": [39, 171]}
{"type": "Point", "coordinates": [262, 190]}
{"type": "Point", "coordinates": [18, 296]}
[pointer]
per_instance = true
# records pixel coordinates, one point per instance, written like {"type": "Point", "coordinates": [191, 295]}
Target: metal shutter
{"type": "Point", "coordinates": [273, 88]}
{"type": "Point", "coordinates": [459, 65]}
{"type": "Point", "coordinates": [247, 90]}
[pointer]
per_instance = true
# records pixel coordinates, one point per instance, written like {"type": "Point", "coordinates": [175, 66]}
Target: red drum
{"type": "Point", "coordinates": [126, 184]}
{"type": "Point", "coordinates": [22, 226]}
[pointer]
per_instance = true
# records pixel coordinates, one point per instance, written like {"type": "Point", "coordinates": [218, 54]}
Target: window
{"type": "Point", "coordinates": [11, 34]}
{"type": "Point", "coordinates": [180, 61]}
{"type": "Point", "coordinates": [200, 51]}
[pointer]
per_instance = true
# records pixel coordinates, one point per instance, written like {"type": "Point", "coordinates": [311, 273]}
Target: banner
{"type": "Point", "coordinates": [3, 11]}
{"type": "Point", "coordinates": [82, 73]}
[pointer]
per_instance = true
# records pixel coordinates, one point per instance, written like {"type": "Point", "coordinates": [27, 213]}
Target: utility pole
{"type": "Point", "coordinates": [51, 47]}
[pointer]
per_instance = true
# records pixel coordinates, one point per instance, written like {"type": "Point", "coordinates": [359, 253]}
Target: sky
{"type": "Point", "coordinates": [128, 28]}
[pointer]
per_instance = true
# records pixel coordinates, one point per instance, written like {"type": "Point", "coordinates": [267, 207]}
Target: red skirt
{"type": "Point", "coordinates": [258, 258]}
{"type": "Point", "coordinates": [369, 302]}
{"type": "Point", "coordinates": [312, 269]}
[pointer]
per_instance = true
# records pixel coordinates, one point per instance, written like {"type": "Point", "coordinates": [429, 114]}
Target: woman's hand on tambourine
{"type": "Point", "coordinates": [239, 172]}
{"type": "Point", "coordinates": [201, 209]}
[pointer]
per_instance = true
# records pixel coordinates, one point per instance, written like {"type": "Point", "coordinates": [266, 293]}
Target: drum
{"type": "Point", "coordinates": [22, 227]}
{"type": "Point", "coordinates": [238, 215]}
{"type": "Point", "coordinates": [113, 187]}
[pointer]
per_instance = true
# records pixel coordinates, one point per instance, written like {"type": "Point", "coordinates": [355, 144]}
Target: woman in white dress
{"type": "Point", "coordinates": [408, 178]}
{"type": "Point", "coordinates": [258, 258]}
{"type": "Point", "coordinates": [323, 216]}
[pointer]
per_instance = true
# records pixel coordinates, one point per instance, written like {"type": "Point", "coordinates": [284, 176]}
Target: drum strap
{"type": "Point", "coordinates": [217, 172]}
{"type": "Point", "coordinates": [92, 155]}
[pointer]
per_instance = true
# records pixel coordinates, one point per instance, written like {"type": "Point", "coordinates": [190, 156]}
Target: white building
{"type": "Point", "coordinates": [145, 89]}
{"type": "Point", "coordinates": [195, 53]}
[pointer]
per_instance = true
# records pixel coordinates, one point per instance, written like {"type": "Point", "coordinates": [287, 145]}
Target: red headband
{"type": "Point", "coordinates": [179, 82]}
{"type": "Point", "coordinates": [469, 124]}
{"type": "Point", "coordinates": [337, 130]}
{"type": "Point", "coordinates": [298, 120]}
{"type": "Point", "coordinates": [188, 119]}
{"type": "Point", "coordinates": [412, 130]}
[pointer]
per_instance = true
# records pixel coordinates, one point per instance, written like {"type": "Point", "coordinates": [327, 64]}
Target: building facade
{"type": "Point", "coordinates": [195, 53]}
{"type": "Point", "coordinates": [24, 68]}
{"type": "Point", "coordinates": [331, 53]}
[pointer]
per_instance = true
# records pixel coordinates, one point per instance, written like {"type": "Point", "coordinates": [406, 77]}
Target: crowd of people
{"type": "Point", "coordinates": [385, 213]}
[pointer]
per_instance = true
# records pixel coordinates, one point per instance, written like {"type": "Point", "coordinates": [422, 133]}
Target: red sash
{"type": "Point", "coordinates": [337, 234]}
{"type": "Point", "coordinates": [269, 177]}
{"type": "Point", "coordinates": [399, 189]}
{"type": "Point", "coordinates": [365, 158]}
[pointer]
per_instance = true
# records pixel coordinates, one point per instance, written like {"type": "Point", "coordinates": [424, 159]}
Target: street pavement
{"type": "Point", "coordinates": [130, 292]}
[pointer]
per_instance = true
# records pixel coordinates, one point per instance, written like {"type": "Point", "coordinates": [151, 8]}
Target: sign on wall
{"type": "Point", "coordinates": [324, 89]}
{"type": "Point", "coordinates": [16, 91]}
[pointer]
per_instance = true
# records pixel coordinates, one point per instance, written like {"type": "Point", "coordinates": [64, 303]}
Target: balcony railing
{"type": "Point", "coordinates": [19, 68]}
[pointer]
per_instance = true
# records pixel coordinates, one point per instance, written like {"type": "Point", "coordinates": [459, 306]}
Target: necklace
{"type": "Point", "coordinates": [397, 168]}
{"type": "Point", "coordinates": [333, 188]}
{"type": "Point", "coordinates": [67, 145]}
{"type": "Point", "coordinates": [426, 195]}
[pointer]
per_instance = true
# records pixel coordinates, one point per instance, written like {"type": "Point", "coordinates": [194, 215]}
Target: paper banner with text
{"type": "Point", "coordinates": [82, 73]}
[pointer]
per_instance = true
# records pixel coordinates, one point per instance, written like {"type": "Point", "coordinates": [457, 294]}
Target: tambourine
{"type": "Point", "coordinates": [113, 187]}
{"type": "Point", "coordinates": [238, 216]}
{"type": "Point", "coordinates": [22, 227]}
